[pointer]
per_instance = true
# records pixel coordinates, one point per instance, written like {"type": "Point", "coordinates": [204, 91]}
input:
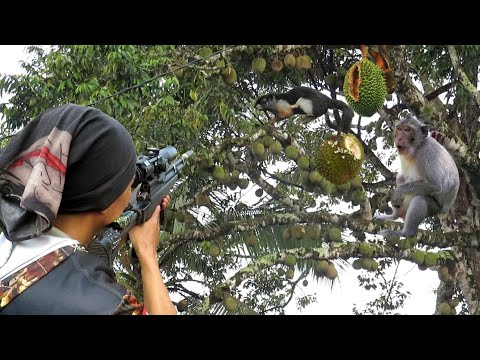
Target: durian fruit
{"type": "Point", "coordinates": [290, 260]}
{"type": "Point", "coordinates": [178, 71]}
{"type": "Point", "coordinates": [289, 274]}
{"type": "Point", "coordinates": [205, 51]}
{"type": "Point", "coordinates": [321, 267]}
{"type": "Point", "coordinates": [454, 302]}
{"type": "Point", "coordinates": [365, 249]}
{"type": "Point", "coordinates": [369, 264]}
{"type": "Point", "coordinates": [357, 264]}
{"type": "Point", "coordinates": [356, 182]}
{"type": "Point", "coordinates": [358, 196]}
{"type": "Point", "coordinates": [297, 231]}
{"type": "Point", "coordinates": [444, 309]}
{"type": "Point", "coordinates": [229, 75]}
{"type": "Point", "coordinates": [286, 234]}
{"type": "Point", "coordinates": [213, 250]}
{"type": "Point", "coordinates": [276, 148]}
{"type": "Point", "coordinates": [313, 232]}
{"type": "Point", "coordinates": [343, 188]}
{"type": "Point", "coordinates": [251, 240]}
{"type": "Point", "coordinates": [243, 183]}
{"type": "Point", "coordinates": [230, 303]}
{"type": "Point", "coordinates": [303, 162]}
{"type": "Point", "coordinates": [430, 259]}
{"type": "Point", "coordinates": [277, 65]}
{"type": "Point", "coordinates": [258, 149]}
{"type": "Point", "coordinates": [418, 257]}
{"type": "Point", "coordinates": [331, 272]}
{"type": "Point", "coordinates": [305, 178]}
{"type": "Point", "coordinates": [315, 177]}
{"type": "Point", "coordinates": [267, 140]}
{"type": "Point", "coordinates": [291, 152]}
{"type": "Point", "coordinates": [218, 173]}
{"type": "Point", "coordinates": [364, 87]}
{"type": "Point", "coordinates": [331, 80]}
{"type": "Point", "coordinates": [303, 62]}
{"type": "Point", "coordinates": [340, 158]}
{"type": "Point", "coordinates": [235, 174]}
{"type": "Point", "coordinates": [290, 60]}
{"type": "Point", "coordinates": [335, 234]}
{"type": "Point", "coordinates": [220, 63]}
{"type": "Point", "coordinates": [258, 65]}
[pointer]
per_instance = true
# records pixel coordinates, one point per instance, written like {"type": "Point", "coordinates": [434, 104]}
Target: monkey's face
{"type": "Point", "coordinates": [404, 138]}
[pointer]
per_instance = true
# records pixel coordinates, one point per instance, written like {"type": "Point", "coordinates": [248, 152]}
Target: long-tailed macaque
{"type": "Point", "coordinates": [428, 180]}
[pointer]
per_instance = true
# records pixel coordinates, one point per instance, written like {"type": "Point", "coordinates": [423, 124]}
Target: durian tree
{"type": "Point", "coordinates": [251, 219]}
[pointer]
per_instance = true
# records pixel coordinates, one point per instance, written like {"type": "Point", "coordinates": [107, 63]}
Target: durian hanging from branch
{"type": "Point", "coordinates": [364, 86]}
{"type": "Point", "coordinates": [339, 159]}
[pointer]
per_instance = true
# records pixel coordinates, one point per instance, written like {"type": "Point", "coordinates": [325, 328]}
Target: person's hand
{"type": "Point", "coordinates": [145, 236]}
{"type": "Point", "coordinates": [165, 202]}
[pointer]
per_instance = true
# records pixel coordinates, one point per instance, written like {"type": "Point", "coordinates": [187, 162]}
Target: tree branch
{"type": "Point", "coordinates": [462, 77]}
{"type": "Point", "coordinates": [335, 251]}
{"type": "Point", "coordinates": [434, 94]}
{"type": "Point", "coordinates": [292, 292]}
{"type": "Point", "coordinates": [405, 89]}
{"type": "Point", "coordinates": [434, 239]}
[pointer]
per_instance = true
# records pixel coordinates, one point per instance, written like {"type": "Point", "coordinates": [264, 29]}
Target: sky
{"type": "Point", "coordinates": [346, 293]}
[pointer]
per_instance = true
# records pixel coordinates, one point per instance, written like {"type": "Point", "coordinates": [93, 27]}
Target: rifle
{"type": "Point", "coordinates": [154, 178]}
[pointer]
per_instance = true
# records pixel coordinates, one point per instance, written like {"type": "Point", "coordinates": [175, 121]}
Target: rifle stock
{"type": "Point", "coordinates": [155, 176]}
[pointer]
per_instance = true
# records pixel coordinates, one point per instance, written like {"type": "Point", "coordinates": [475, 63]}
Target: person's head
{"type": "Point", "coordinates": [101, 164]}
{"type": "Point", "coordinates": [68, 160]}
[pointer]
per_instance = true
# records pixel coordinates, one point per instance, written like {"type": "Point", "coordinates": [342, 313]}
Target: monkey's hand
{"type": "Point", "coordinates": [417, 187]}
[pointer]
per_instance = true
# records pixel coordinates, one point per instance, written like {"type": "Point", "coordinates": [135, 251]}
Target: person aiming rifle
{"type": "Point", "coordinates": [64, 178]}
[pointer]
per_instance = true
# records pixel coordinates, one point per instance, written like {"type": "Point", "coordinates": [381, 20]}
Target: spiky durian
{"type": "Point", "coordinates": [303, 62]}
{"type": "Point", "coordinates": [290, 60]}
{"type": "Point", "coordinates": [276, 148]}
{"type": "Point", "coordinates": [277, 65]}
{"type": "Point", "coordinates": [291, 152]}
{"type": "Point", "coordinates": [258, 65]}
{"type": "Point", "coordinates": [230, 303]}
{"type": "Point", "coordinates": [339, 159]}
{"type": "Point", "coordinates": [364, 87]}
{"type": "Point", "coordinates": [229, 75]}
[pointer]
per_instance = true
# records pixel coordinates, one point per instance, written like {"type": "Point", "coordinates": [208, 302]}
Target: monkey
{"type": "Point", "coordinates": [304, 100]}
{"type": "Point", "coordinates": [428, 181]}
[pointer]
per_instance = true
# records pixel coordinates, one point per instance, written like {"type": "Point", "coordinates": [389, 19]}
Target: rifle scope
{"type": "Point", "coordinates": [153, 163]}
